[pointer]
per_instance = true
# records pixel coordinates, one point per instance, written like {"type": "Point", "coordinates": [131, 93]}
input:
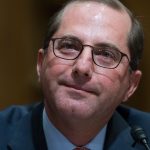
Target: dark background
{"type": "Point", "coordinates": [22, 28]}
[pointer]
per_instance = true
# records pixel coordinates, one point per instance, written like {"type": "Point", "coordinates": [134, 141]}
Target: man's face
{"type": "Point", "coordinates": [72, 88]}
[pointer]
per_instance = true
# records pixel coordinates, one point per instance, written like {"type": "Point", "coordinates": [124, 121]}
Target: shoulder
{"type": "Point", "coordinates": [10, 116]}
{"type": "Point", "coordinates": [129, 112]}
{"type": "Point", "coordinates": [14, 113]}
{"type": "Point", "coordinates": [134, 116]}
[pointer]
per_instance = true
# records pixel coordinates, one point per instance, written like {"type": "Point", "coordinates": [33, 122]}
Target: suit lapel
{"type": "Point", "coordinates": [37, 128]}
{"type": "Point", "coordinates": [28, 132]}
{"type": "Point", "coordinates": [118, 135]}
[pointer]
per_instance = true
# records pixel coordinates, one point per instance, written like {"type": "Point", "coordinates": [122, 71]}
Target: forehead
{"type": "Point", "coordinates": [93, 21]}
{"type": "Point", "coordinates": [92, 7]}
{"type": "Point", "coordinates": [94, 12]}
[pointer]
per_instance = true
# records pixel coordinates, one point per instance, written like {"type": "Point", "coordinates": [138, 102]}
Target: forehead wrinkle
{"type": "Point", "coordinates": [77, 8]}
{"type": "Point", "coordinates": [82, 8]}
{"type": "Point", "coordinates": [95, 15]}
{"type": "Point", "coordinates": [98, 18]}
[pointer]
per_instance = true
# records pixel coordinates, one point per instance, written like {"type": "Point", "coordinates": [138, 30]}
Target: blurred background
{"type": "Point", "coordinates": [22, 28]}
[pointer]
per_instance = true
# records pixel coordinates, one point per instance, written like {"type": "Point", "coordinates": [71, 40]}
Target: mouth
{"type": "Point", "coordinates": [81, 88]}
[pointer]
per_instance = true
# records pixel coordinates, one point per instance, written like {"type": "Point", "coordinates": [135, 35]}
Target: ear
{"type": "Point", "coordinates": [40, 59]}
{"type": "Point", "coordinates": [134, 80]}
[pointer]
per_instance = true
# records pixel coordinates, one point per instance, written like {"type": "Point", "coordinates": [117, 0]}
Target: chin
{"type": "Point", "coordinates": [76, 110]}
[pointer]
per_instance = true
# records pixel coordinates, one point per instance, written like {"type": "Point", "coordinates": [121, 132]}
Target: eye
{"type": "Point", "coordinates": [69, 45]}
{"type": "Point", "coordinates": [106, 57]}
{"type": "Point", "coordinates": [108, 54]}
{"type": "Point", "coordinates": [105, 53]}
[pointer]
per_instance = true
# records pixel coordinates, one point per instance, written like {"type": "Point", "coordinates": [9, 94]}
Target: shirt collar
{"type": "Point", "coordinates": [57, 141]}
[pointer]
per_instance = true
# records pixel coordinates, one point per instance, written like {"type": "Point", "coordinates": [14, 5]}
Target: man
{"type": "Point", "coordinates": [87, 68]}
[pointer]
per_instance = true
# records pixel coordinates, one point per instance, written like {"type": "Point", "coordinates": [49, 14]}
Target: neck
{"type": "Point", "coordinates": [78, 132]}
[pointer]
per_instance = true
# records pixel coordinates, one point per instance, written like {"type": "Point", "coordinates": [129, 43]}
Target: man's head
{"type": "Point", "coordinates": [88, 87]}
{"type": "Point", "coordinates": [135, 37]}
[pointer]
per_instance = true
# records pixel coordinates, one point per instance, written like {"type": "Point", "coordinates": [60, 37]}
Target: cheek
{"type": "Point", "coordinates": [51, 72]}
{"type": "Point", "coordinates": [109, 79]}
{"type": "Point", "coordinates": [53, 68]}
{"type": "Point", "coordinates": [114, 85]}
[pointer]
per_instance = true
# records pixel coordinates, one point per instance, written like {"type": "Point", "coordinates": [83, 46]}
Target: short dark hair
{"type": "Point", "coordinates": [135, 38]}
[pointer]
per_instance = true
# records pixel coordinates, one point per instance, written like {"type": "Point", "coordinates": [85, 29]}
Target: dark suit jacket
{"type": "Point", "coordinates": [21, 128]}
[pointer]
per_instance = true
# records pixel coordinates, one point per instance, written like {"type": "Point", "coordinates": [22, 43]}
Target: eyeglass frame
{"type": "Point", "coordinates": [92, 48]}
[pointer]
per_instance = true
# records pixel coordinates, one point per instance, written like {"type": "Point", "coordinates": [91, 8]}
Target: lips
{"type": "Point", "coordinates": [85, 88]}
{"type": "Point", "coordinates": [80, 88]}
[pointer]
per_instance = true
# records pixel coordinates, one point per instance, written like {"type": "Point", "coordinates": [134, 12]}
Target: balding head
{"type": "Point", "coordinates": [135, 36]}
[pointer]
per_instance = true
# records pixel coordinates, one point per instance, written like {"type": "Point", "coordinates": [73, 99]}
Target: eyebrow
{"type": "Point", "coordinates": [107, 45]}
{"type": "Point", "coordinates": [102, 45]}
{"type": "Point", "coordinates": [72, 37]}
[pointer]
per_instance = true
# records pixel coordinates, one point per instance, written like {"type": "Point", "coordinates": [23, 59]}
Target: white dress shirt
{"type": "Point", "coordinates": [57, 141]}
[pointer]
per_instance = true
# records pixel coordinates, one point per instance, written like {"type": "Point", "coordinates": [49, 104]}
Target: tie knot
{"type": "Point", "coordinates": [81, 148]}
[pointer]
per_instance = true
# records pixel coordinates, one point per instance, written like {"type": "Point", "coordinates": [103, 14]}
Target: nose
{"type": "Point", "coordinates": [83, 66]}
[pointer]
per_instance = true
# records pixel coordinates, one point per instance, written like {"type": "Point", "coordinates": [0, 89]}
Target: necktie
{"type": "Point", "coordinates": [81, 148]}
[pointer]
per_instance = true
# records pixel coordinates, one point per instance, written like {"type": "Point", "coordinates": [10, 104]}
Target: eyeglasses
{"type": "Point", "coordinates": [103, 56]}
